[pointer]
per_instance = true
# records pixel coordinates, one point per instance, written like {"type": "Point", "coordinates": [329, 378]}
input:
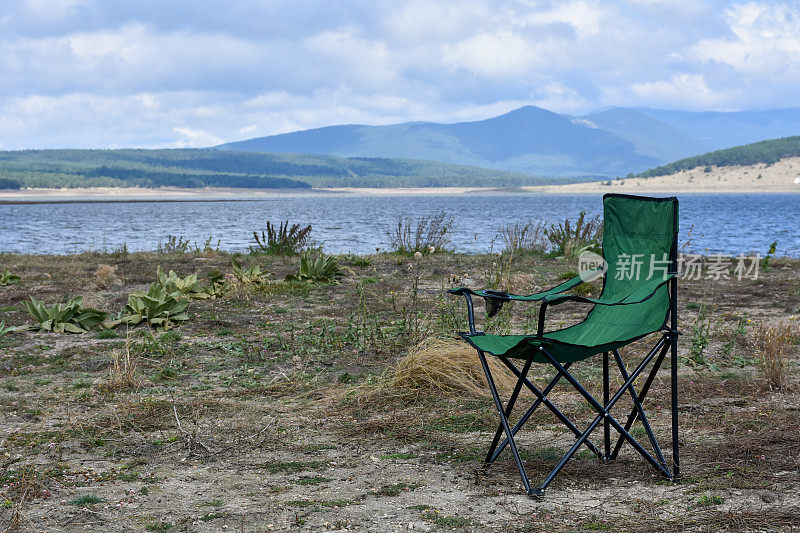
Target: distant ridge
{"type": "Point", "coordinates": [529, 140]}
{"type": "Point", "coordinates": [766, 152]}
{"type": "Point", "coordinates": [193, 168]}
{"type": "Point", "coordinates": [535, 141]}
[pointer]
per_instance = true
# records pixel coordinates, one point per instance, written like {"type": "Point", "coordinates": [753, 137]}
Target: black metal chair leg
{"type": "Point", "coordinates": [542, 396]}
{"type": "Point", "coordinates": [527, 414]}
{"type": "Point", "coordinates": [637, 404]}
{"type": "Point", "coordinates": [504, 421]}
{"type": "Point", "coordinates": [606, 424]}
{"type": "Point", "coordinates": [642, 395]}
{"type": "Point", "coordinates": [676, 472]}
{"type": "Point", "coordinates": [509, 407]}
{"type": "Point", "coordinates": [604, 411]}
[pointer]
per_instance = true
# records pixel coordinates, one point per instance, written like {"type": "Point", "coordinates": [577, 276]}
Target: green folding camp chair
{"type": "Point", "coordinates": [639, 297]}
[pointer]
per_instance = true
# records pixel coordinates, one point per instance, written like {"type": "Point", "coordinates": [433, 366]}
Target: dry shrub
{"type": "Point", "coordinates": [123, 370]}
{"type": "Point", "coordinates": [525, 236]}
{"type": "Point", "coordinates": [772, 345]}
{"type": "Point", "coordinates": [426, 234]}
{"type": "Point", "coordinates": [447, 365]}
{"type": "Point", "coordinates": [105, 276]}
{"type": "Point", "coordinates": [24, 486]}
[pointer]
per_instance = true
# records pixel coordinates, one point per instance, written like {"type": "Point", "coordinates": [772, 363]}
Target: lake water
{"type": "Point", "coordinates": [720, 223]}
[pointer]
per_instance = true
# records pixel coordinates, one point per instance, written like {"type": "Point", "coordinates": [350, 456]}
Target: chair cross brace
{"type": "Point", "coordinates": [657, 353]}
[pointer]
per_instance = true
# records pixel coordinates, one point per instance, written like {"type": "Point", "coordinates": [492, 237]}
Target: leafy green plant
{"type": "Point", "coordinates": [425, 235]}
{"type": "Point", "coordinates": [356, 261]}
{"type": "Point", "coordinates": [571, 238]}
{"type": "Point", "coordinates": [177, 245]}
{"type": "Point", "coordinates": [252, 275]}
{"type": "Point", "coordinates": [707, 498]}
{"type": "Point", "coordinates": [285, 240]}
{"type": "Point", "coordinates": [68, 317]}
{"type": "Point", "coordinates": [156, 307]}
{"type": "Point", "coordinates": [5, 329]}
{"type": "Point", "coordinates": [737, 338]}
{"type": "Point", "coordinates": [770, 255]}
{"type": "Point", "coordinates": [325, 269]}
{"type": "Point", "coordinates": [86, 499]}
{"type": "Point", "coordinates": [189, 286]}
{"type": "Point", "coordinates": [217, 284]}
{"type": "Point", "coordinates": [699, 339]}
{"type": "Point", "coordinates": [7, 278]}
{"type": "Point", "coordinates": [174, 245]}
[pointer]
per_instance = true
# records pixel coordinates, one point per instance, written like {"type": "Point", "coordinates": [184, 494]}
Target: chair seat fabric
{"type": "Point", "coordinates": [566, 345]}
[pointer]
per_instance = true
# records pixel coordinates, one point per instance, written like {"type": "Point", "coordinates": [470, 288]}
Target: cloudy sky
{"type": "Point", "coordinates": [182, 73]}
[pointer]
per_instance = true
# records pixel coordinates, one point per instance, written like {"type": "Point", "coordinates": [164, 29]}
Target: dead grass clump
{"type": "Point", "coordinates": [447, 365]}
{"type": "Point", "coordinates": [427, 234]}
{"type": "Point", "coordinates": [123, 370]}
{"type": "Point", "coordinates": [25, 487]}
{"type": "Point", "coordinates": [524, 236]}
{"type": "Point", "coordinates": [105, 276]}
{"type": "Point", "coordinates": [772, 345]}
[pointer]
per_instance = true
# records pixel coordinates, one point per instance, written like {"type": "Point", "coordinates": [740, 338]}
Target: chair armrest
{"type": "Point", "coordinates": [644, 292]}
{"type": "Point", "coordinates": [535, 297]}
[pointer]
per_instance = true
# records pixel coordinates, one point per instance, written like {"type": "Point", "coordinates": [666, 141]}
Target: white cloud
{"type": "Point", "coordinates": [250, 130]}
{"type": "Point", "coordinates": [192, 138]}
{"type": "Point", "coordinates": [418, 21]}
{"type": "Point", "coordinates": [555, 96]}
{"type": "Point", "coordinates": [491, 54]}
{"type": "Point", "coordinates": [687, 90]}
{"type": "Point", "coordinates": [53, 10]}
{"type": "Point", "coordinates": [765, 41]}
{"type": "Point", "coordinates": [351, 59]}
{"type": "Point", "coordinates": [586, 18]}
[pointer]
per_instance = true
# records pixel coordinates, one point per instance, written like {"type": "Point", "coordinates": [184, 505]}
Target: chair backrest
{"type": "Point", "coordinates": [640, 242]}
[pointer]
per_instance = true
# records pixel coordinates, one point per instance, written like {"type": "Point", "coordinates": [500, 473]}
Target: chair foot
{"type": "Point", "coordinates": [607, 459]}
{"type": "Point", "coordinates": [536, 493]}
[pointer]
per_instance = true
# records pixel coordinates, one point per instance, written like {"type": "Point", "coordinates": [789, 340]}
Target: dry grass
{"type": "Point", "coordinates": [105, 276]}
{"type": "Point", "coordinates": [447, 365]}
{"type": "Point", "coordinates": [525, 236]}
{"type": "Point", "coordinates": [123, 370]}
{"type": "Point", "coordinates": [426, 234]}
{"type": "Point", "coordinates": [772, 346]}
{"type": "Point", "coordinates": [24, 488]}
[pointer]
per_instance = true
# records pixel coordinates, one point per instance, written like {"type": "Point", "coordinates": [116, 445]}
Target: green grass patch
{"type": "Point", "coordinates": [293, 467]}
{"type": "Point", "coordinates": [86, 499]}
{"type": "Point", "coordinates": [443, 520]}
{"type": "Point", "coordinates": [395, 489]}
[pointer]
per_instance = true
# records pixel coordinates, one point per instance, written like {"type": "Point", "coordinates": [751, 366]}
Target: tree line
{"type": "Point", "coordinates": [766, 152]}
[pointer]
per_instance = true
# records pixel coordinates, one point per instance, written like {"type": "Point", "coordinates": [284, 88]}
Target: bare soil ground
{"type": "Point", "coordinates": [269, 409]}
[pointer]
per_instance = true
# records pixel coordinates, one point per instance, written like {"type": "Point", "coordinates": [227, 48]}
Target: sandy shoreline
{"type": "Point", "coordinates": [782, 177]}
{"type": "Point", "coordinates": [211, 194]}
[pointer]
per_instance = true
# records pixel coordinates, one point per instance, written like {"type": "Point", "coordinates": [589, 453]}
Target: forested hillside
{"type": "Point", "coordinates": [222, 168]}
{"type": "Point", "coordinates": [767, 152]}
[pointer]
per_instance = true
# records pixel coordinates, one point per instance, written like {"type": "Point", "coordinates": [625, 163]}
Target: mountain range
{"type": "Point", "coordinates": [535, 141]}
